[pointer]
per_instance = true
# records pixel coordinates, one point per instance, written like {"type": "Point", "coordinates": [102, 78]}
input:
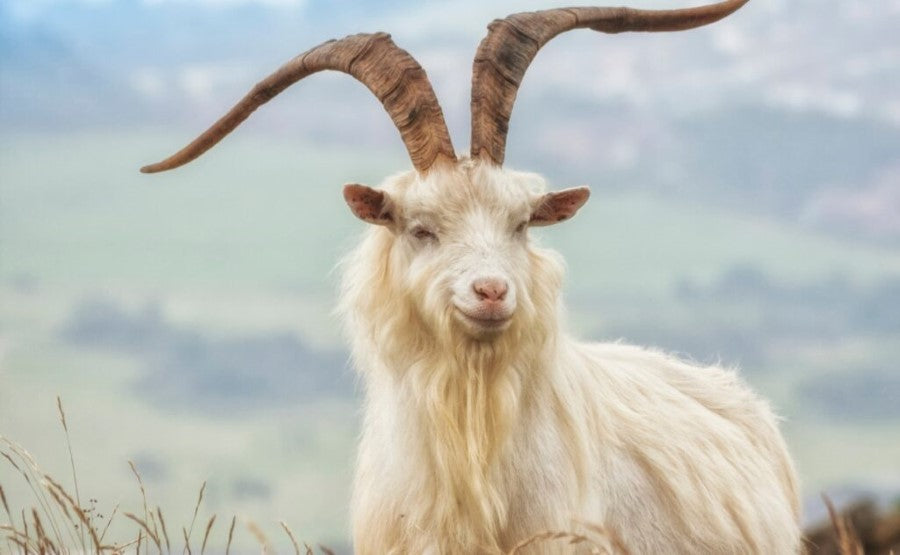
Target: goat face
{"type": "Point", "coordinates": [459, 243]}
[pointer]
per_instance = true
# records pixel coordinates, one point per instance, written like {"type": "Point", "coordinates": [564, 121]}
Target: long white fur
{"type": "Point", "coordinates": [471, 444]}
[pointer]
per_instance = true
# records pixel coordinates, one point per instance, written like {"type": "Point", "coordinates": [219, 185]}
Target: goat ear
{"type": "Point", "coordinates": [369, 205]}
{"type": "Point", "coordinates": [558, 206]}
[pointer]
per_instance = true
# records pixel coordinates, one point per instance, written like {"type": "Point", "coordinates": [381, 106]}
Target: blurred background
{"type": "Point", "coordinates": [746, 211]}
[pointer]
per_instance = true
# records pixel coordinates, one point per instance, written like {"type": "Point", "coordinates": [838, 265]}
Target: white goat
{"type": "Point", "coordinates": [485, 423]}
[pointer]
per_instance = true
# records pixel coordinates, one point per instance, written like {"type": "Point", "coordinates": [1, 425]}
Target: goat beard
{"type": "Point", "coordinates": [469, 393]}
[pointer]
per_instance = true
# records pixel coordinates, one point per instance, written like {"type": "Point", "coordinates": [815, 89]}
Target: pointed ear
{"type": "Point", "coordinates": [558, 206]}
{"type": "Point", "coordinates": [369, 205]}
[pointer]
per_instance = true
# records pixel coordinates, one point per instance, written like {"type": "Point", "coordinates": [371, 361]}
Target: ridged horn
{"type": "Point", "coordinates": [394, 76]}
{"type": "Point", "coordinates": [512, 43]}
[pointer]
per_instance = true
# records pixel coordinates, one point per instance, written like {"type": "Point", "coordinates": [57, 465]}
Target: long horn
{"type": "Point", "coordinates": [512, 43]}
{"type": "Point", "coordinates": [391, 73]}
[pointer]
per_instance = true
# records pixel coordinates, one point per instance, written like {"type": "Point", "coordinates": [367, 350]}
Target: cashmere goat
{"type": "Point", "coordinates": [485, 424]}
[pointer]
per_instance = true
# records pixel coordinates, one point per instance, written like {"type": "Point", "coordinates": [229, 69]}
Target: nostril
{"type": "Point", "coordinates": [501, 291]}
{"type": "Point", "coordinates": [490, 289]}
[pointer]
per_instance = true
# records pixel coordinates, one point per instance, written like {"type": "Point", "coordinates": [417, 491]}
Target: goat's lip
{"type": "Point", "coordinates": [490, 322]}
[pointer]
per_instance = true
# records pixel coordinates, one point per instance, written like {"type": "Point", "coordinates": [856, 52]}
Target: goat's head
{"type": "Point", "coordinates": [457, 229]}
{"type": "Point", "coordinates": [458, 244]}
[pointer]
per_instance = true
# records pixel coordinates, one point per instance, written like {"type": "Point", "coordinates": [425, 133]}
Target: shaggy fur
{"type": "Point", "coordinates": [473, 442]}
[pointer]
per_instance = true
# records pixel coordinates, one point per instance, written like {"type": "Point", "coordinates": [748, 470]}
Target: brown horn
{"type": "Point", "coordinates": [391, 73]}
{"type": "Point", "coordinates": [512, 43]}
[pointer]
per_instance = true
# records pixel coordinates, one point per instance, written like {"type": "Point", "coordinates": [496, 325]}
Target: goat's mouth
{"type": "Point", "coordinates": [484, 322]}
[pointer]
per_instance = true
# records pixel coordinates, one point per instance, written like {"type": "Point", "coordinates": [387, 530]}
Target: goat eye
{"type": "Point", "coordinates": [423, 234]}
{"type": "Point", "coordinates": [521, 227]}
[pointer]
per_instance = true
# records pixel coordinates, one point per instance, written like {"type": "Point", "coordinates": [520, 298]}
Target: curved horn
{"type": "Point", "coordinates": [512, 43]}
{"type": "Point", "coordinates": [391, 73]}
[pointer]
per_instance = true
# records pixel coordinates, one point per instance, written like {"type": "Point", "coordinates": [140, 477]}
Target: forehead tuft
{"type": "Point", "coordinates": [465, 186]}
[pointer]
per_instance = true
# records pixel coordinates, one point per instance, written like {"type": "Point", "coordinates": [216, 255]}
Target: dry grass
{"type": "Point", "coordinates": [230, 535]}
{"type": "Point", "coordinates": [58, 522]}
{"type": "Point", "coordinates": [847, 540]}
{"type": "Point", "coordinates": [596, 546]}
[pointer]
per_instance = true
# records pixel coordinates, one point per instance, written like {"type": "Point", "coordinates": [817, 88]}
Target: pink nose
{"type": "Point", "coordinates": [490, 289]}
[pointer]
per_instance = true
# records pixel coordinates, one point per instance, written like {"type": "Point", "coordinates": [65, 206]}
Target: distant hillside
{"type": "Point", "coordinates": [770, 52]}
{"type": "Point", "coordinates": [756, 113]}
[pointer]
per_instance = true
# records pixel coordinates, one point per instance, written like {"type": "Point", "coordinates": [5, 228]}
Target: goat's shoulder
{"type": "Point", "coordinates": [695, 431]}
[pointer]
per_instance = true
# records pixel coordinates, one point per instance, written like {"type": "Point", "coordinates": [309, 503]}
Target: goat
{"type": "Point", "coordinates": [485, 423]}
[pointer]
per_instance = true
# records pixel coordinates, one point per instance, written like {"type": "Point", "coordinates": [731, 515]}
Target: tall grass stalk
{"type": "Point", "coordinates": [62, 419]}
